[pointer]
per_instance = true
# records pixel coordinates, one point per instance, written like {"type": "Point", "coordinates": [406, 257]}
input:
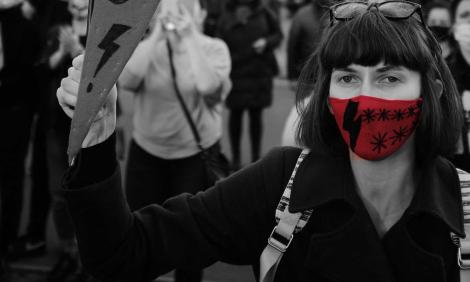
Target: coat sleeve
{"type": "Point", "coordinates": [275, 35]}
{"type": "Point", "coordinates": [137, 67]}
{"type": "Point", "coordinates": [228, 222]}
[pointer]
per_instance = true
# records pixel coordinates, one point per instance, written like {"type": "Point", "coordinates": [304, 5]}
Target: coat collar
{"type": "Point", "coordinates": [323, 178]}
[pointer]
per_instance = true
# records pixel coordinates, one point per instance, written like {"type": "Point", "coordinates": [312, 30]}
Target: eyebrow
{"type": "Point", "coordinates": [388, 68]}
{"type": "Point", "coordinates": [379, 70]}
{"type": "Point", "coordinates": [345, 69]}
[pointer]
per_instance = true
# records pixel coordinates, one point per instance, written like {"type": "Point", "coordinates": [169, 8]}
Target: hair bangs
{"type": "Point", "coordinates": [370, 38]}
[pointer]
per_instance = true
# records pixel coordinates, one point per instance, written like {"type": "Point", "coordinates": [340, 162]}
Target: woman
{"type": "Point", "coordinates": [439, 20]}
{"type": "Point", "coordinates": [164, 157]}
{"type": "Point", "coordinates": [251, 31]}
{"type": "Point", "coordinates": [383, 114]}
{"type": "Point", "coordinates": [459, 63]}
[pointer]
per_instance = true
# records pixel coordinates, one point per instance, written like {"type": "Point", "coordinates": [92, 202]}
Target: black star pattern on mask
{"type": "Point", "coordinates": [384, 115]}
{"type": "Point", "coordinates": [399, 135]}
{"type": "Point", "coordinates": [368, 115]}
{"type": "Point", "coordinates": [379, 142]}
{"type": "Point", "coordinates": [399, 114]}
{"type": "Point", "coordinates": [411, 111]}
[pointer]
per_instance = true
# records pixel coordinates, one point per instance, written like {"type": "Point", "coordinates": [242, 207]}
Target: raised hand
{"type": "Point", "coordinates": [104, 123]}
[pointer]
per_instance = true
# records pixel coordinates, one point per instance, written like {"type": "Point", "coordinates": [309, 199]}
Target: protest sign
{"type": "Point", "coordinates": [115, 27]}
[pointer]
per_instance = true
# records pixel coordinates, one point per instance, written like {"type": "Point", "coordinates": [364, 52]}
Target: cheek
{"type": "Point", "coordinates": [343, 92]}
{"type": "Point", "coordinates": [410, 91]}
{"type": "Point", "coordinates": [415, 89]}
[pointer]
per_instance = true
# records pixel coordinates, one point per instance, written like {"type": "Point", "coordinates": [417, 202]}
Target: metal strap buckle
{"type": "Point", "coordinates": [463, 264]}
{"type": "Point", "coordinates": [276, 243]}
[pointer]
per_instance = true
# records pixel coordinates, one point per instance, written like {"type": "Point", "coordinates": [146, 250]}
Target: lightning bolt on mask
{"type": "Point", "coordinates": [375, 128]}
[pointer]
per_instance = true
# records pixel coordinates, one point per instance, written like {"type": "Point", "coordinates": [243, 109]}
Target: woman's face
{"type": "Point", "coordinates": [380, 81]}
{"type": "Point", "coordinates": [78, 9]}
{"type": "Point", "coordinates": [439, 17]}
{"type": "Point", "coordinates": [462, 12]}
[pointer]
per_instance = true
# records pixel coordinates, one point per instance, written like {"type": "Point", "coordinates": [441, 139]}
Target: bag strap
{"type": "Point", "coordinates": [187, 115]}
{"type": "Point", "coordinates": [287, 225]}
{"type": "Point", "coordinates": [463, 244]}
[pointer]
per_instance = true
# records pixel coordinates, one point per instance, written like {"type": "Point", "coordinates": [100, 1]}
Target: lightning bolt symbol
{"type": "Point", "coordinates": [351, 125]}
{"type": "Point", "coordinates": [109, 46]}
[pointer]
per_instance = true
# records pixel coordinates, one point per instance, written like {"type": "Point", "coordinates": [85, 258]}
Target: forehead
{"type": "Point", "coordinates": [378, 67]}
{"type": "Point", "coordinates": [463, 7]}
{"type": "Point", "coordinates": [439, 13]}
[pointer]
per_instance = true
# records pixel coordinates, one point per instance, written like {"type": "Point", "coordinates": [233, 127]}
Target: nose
{"type": "Point", "coordinates": [366, 88]}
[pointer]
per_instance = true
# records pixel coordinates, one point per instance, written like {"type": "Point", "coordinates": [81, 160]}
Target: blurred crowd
{"type": "Point", "coordinates": [221, 54]}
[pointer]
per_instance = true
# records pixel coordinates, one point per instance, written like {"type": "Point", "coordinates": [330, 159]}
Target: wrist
{"type": "Point", "coordinates": [100, 131]}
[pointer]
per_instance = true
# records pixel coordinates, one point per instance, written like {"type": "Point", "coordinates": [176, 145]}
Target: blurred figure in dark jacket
{"type": "Point", "coordinates": [304, 36]}
{"type": "Point", "coordinates": [18, 52]}
{"type": "Point", "coordinates": [459, 64]}
{"type": "Point", "coordinates": [439, 20]}
{"type": "Point", "coordinates": [65, 40]}
{"type": "Point", "coordinates": [251, 31]}
{"type": "Point", "coordinates": [294, 5]}
{"type": "Point", "coordinates": [33, 241]}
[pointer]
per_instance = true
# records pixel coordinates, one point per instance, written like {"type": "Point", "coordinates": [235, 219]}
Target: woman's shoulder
{"type": "Point", "coordinates": [284, 158]}
{"type": "Point", "coordinates": [282, 155]}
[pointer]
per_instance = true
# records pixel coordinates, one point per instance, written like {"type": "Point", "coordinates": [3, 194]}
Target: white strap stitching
{"type": "Point", "coordinates": [287, 225]}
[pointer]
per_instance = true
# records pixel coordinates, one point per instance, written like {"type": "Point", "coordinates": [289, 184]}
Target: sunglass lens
{"type": "Point", "coordinates": [349, 10]}
{"type": "Point", "coordinates": [397, 9]}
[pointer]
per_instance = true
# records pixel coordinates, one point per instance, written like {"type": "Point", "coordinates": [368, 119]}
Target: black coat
{"type": "Point", "coordinates": [251, 73]}
{"type": "Point", "coordinates": [232, 221]}
{"type": "Point", "coordinates": [461, 72]}
{"type": "Point", "coordinates": [304, 36]}
{"type": "Point", "coordinates": [21, 50]}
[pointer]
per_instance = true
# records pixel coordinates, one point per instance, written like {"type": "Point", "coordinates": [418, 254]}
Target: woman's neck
{"type": "Point", "coordinates": [386, 187]}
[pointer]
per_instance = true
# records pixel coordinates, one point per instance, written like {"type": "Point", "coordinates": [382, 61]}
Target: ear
{"type": "Point", "coordinates": [438, 87]}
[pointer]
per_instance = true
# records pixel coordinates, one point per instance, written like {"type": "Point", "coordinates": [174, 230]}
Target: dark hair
{"type": "Point", "coordinates": [369, 39]}
{"type": "Point", "coordinates": [203, 4]}
{"type": "Point", "coordinates": [232, 4]}
{"type": "Point", "coordinates": [453, 8]}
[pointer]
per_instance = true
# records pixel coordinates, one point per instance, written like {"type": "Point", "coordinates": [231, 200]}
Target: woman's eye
{"type": "Point", "coordinates": [390, 79]}
{"type": "Point", "coordinates": [465, 14]}
{"type": "Point", "coordinates": [346, 79]}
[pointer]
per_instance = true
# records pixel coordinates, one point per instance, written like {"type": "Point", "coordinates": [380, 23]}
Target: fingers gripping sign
{"type": "Point", "coordinates": [114, 29]}
{"type": "Point", "coordinates": [104, 122]}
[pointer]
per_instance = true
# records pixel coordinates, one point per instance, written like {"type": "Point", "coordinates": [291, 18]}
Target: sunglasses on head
{"type": "Point", "coordinates": [393, 10]}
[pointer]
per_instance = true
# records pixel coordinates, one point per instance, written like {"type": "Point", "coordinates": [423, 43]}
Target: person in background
{"type": "Point", "coordinates": [215, 8]}
{"type": "Point", "coordinates": [439, 20]}
{"type": "Point", "coordinates": [252, 32]}
{"type": "Point", "coordinates": [33, 242]}
{"type": "Point", "coordinates": [65, 40]}
{"type": "Point", "coordinates": [294, 5]}
{"type": "Point", "coordinates": [304, 36]}
{"type": "Point", "coordinates": [459, 63]}
{"type": "Point", "coordinates": [19, 50]}
{"type": "Point", "coordinates": [164, 158]}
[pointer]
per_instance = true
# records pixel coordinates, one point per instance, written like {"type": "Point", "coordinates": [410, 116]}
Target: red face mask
{"type": "Point", "coordinates": [375, 128]}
